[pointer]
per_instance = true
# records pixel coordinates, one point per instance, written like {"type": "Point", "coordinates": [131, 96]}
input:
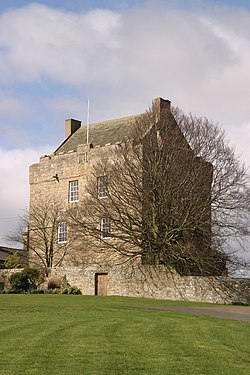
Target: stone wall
{"type": "Point", "coordinates": [67, 167]}
{"type": "Point", "coordinates": [141, 281]}
{"type": "Point", "coordinates": [49, 182]}
{"type": "Point", "coordinates": [4, 277]}
{"type": "Point", "coordinates": [158, 284]}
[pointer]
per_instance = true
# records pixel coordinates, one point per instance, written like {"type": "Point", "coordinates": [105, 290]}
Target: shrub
{"type": "Point", "coordinates": [239, 303]}
{"type": "Point", "coordinates": [1, 286]}
{"type": "Point", "coordinates": [61, 286]}
{"type": "Point", "coordinates": [32, 274]}
{"type": "Point", "coordinates": [66, 288]}
{"type": "Point", "coordinates": [70, 290]}
{"type": "Point", "coordinates": [13, 261]}
{"type": "Point", "coordinates": [19, 282]}
{"type": "Point", "coordinates": [54, 283]}
{"type": "Point", "coordinates": [25, 280]}
{"type": "Point", "coordinates": [75, 290]}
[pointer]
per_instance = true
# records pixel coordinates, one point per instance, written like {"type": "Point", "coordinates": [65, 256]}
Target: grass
{"type": "Point", "coordinates": [60, 334]}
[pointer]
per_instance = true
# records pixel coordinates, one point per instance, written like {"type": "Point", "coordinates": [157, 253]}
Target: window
{"type": "Point", "coordinates": [105, 227]}
{"type": "Point", "coordinates": [73, 191]}
{"type": "Point", "coordinates": [62, 232]}
{"type": "Point", "coordinates": [102, 186]}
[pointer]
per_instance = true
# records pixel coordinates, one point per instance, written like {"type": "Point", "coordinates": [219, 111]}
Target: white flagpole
{"type": "Point", "coordinates": [88, 124]}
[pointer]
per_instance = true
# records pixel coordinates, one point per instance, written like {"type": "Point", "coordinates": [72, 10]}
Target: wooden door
{"type": "Point", "coordinates": [101, 284]}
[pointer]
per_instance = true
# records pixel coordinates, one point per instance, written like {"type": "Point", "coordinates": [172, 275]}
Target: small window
{"type": "Point", "coordinates": [73, 191]}
{"type": "Point", "coordinates": [83, 158]}
{"type": "Point", "coordinates": [62, 232]}
{"type": "Point", "coordinates": [105, 227]}
{"type": "Point", "coordinates": [86, 157]}
{"type": "Point", "coordinates": [102, 186]}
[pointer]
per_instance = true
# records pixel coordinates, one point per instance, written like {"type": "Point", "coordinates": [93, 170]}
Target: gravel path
{"type": "Point", "coordinates": [226, 312]}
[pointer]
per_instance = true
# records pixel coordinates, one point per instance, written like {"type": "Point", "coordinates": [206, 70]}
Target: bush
{"type": "Point", "coordinates": [24, 281]}
{"type": "Point", "coordinates": [13, 261]}
{"type": "Point", "coordinates": [19, 282]}
{"type": "Point", "coordinates": [61, 286]}
{"type": "Point", "coordinates": [54, 283]}
{"type": "Point", "coordinates": [32, 274]}
{"type": "Point", "coordinates": [1, 287]}
{"type": "Point", "coordinates": [66, 288]}
{"type": "Point", "coordinates": [70, 290]}
{"type": "Point", "coordinates": [239, 303]}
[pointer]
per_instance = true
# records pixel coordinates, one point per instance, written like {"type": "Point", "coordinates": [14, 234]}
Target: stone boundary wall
{"type": "Point", "coordinates": [4, 276]}
{"type": "Point", "coordinates": [149, 282]}
{"type": "Point", "coordinates": [158, 283]}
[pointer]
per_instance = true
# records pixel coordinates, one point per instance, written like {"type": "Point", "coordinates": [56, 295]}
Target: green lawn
{"type": "Point", "coordinates": [64, 334]}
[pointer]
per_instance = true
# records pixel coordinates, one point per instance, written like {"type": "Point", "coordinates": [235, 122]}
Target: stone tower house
{"type": "Point", "coordinates": [59, 180]}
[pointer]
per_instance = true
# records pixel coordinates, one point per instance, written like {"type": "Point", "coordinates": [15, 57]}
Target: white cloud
{"type": "Point", "coordinates": [240, 139]}
{"type": "Point", "coordinates": [36, 41]}
{"type": "Point", "coordinates": [14, 185]}
{"type": "Point", "coordinates": [198, 59]}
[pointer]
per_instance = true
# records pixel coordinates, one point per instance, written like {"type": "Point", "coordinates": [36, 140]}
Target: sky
{"type": "Point", "coordinates": [54, 55]}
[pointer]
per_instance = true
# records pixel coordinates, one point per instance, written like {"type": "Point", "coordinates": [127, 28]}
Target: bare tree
{"type": "Point", "coordinates": [42, 232]}
{"type": "Point", "coordinates": [168, 194]}
{"type": "Point", "coordinates": [230, 189]}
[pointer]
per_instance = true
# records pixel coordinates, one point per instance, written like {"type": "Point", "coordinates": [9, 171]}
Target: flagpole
{"type": "Point", "coordinates": [88, 124]}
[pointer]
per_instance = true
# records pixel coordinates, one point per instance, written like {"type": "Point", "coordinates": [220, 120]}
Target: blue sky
{"type": "Point", "coordinates": [85, 5]}
{"type": "Point", "coordinates": [120, 54]}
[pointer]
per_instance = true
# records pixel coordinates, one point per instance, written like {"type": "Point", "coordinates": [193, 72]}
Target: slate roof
{"type": "Point", "coordinates": [100, 133]}
{"type": "Point", "coordinates": [6, 251]}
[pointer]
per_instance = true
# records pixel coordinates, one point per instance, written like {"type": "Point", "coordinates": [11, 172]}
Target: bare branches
{"type": "Point", "coordinates": [40, 237]}
{"type": "Point", "coordinates": [230, 193]}
{"type": "Point", "coordinates": [173, 193]}
{"type": "Point", "coordinates": [175, 196]}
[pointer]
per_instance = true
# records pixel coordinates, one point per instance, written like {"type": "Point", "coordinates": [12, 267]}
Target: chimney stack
{"type": "Point", "coordinates": [161, 107]}
{"type": "Point", "coordinates": [71, 126]}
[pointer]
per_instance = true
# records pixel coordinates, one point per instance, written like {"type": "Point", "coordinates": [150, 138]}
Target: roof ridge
{"type": "Point", "coordinates": [113, 120]}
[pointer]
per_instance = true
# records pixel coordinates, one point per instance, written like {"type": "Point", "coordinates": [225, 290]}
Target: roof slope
{"type": "Point", "coordinates": [6, 251]}
{"type": "Point", "coordinates": [100, 133]}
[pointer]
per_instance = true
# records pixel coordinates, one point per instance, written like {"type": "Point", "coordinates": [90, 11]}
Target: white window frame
{"type": "Point", "coordinates": [105, 227]}
{"type": "Point", "coordinates": [62, 232]}
{"type": "Point", "coordinates": [73, 191]}
{"type": "Point", "coordinates": [102, 187]}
